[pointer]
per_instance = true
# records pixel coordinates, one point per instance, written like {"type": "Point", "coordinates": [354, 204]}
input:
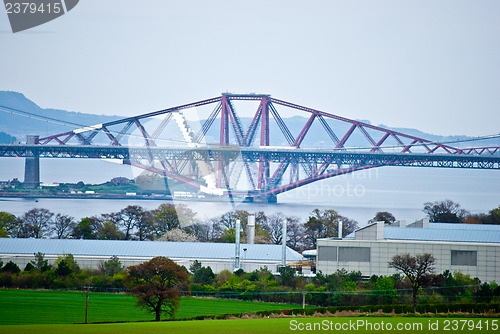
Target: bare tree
{"type": "Point", "coordinates": [63, 226]}
{"type": "Point", "coordinates": [274, 226]}
{"type": "Point", "coordinates": [144, 226]}
{"type": "Point", "coordinates": [228, 219]}
{"type": "Point", "coordinates": [296, 233]}
{"type": "Point", "coordinates": [348, 225]}
{"type": "Point", "coordinates": [37, 223]}
{"type": "Point", "coordinates": [416, 268]}
{"type": "Point", "coordinates": [202, 231]}
{"type": "Point", "coordinates": [131, 217]}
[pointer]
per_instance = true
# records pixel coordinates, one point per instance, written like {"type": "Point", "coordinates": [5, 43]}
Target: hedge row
{"type": "Point", "coordinates": [480, 309]}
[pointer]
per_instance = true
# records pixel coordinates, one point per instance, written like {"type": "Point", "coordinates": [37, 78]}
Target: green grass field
{"type": "Point", "coordinates": [43, 312]}
{"type": "Point", "coordinates": [243, 326]}
{"type": "Point", "coordinates": [58, 307]}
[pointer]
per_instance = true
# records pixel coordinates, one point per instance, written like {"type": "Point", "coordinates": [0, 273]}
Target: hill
{"type": "Point", "coordinates": [21, 119]}
{"type": "Point", "coordinates": [5, 138]}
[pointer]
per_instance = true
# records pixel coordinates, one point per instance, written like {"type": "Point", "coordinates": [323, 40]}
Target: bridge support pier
{"type": "Point", "coordinates": [262, 199]}
{"type": "Point", "coordinates": [272, 198]}
{"type": "Point", "coordinates": [32, 166]}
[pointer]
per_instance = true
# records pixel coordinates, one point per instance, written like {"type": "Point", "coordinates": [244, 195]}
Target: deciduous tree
{"type": "Point", "coordinates": [63, 226]}
{"type": "Point", "coordinates": [205, 232]}
{"type": "Point", "coordinates": [186, 216]}
{"type": "Point", "coordinates": [164, 219]}
{"type": "Point", "coordinates": [11, 267]}
{"type": "Point", "coordinates": [416, 268]}
{"type": "Point", "coordinates": [201, 275]}
{"type": "Point", "coordinates": [157, 284]}
{"type": "Point", "coordinates": [40, 263]}
{"type": "Point", "coordinates": [348, 225]}
{"type": "Point", "coordinates": [111, 266]}
{"type": "Point", "coordinates": [275, 227]}
{"type": "Point", "coordinates": [494, 216]}
{"type": "Point", "coordinates": [37, 223]}
{"type": "Point", "coordinates": [109, 231]}
{"type": "Point", "coordinates": [296, 233]}
{"type": "Point", "coordinates": [131, 217]}
{"type": "Point", "coordinates": [177, 235]}
{"type": "Point", "coordinates": [66, 265]}
{"type": "Point", "coordinates": [445, 211]}
{"type": "Point", "coordinates": [323, 224]}
{"type": "Point", "coordinates": [87, 228]}
{"type": "Point", "coordinates": [7, 222]}
{"type": "Point", "coordinates": [384, 216]}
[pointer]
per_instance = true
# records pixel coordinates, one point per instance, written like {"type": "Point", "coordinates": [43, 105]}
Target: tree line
{"type": "Point", "coordinates": [160, 277]}
{"type": "Point", "coordinates": [171, 222]}
{"type": "Point", "coordinates": [447, 211]}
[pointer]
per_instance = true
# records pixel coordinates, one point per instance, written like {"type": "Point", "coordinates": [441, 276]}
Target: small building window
{"type": "Point", "coordinates": [463, 258]}
{"type": "Point", "coordinates": [354, 254]}
{"type": "Point", "coordinates": [327, 253]}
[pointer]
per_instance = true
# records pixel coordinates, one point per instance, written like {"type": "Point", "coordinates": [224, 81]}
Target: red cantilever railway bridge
{"type": "Point", "coordinates": [225, 151]}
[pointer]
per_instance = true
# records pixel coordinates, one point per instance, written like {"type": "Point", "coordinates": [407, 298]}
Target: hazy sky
{"type": "Point", "coordinates": [432, 65]}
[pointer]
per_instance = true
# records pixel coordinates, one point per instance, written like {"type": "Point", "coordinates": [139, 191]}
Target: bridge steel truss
{"type": "Point", "coordinates": [249, 146]}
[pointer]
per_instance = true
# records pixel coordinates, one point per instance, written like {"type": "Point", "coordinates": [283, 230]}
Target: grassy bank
{"type": "Point", "coordinates": [60, 307]}
{"type": "Point", "coordinates": [272, 326]}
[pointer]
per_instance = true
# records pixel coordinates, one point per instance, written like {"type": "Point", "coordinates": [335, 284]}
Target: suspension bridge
{"type": "Point", "coordinates": [213, 149]}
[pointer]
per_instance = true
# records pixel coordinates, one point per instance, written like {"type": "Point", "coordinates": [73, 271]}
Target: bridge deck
{"type": "Point", "coordinates": [274, 155]}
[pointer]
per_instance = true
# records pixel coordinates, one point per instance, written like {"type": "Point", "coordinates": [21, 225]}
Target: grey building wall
{"type": "Point", "coordinates": [471, 249]}
{"type": "Point", "coordinates": [217, 265]}
{"type": "Point", "coordinates": [480, 260]}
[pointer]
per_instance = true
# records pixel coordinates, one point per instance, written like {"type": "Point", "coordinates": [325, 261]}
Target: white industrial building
{"type": "Point", "coordinates": [89, 253]}
{"type": "Point", "coordinates": [470, 249]}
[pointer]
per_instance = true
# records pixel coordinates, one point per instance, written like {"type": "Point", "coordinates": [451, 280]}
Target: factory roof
{"type": "Point", "coordinates": [123, 248]}
{"type": "Point", "coordinates": [447, 232]}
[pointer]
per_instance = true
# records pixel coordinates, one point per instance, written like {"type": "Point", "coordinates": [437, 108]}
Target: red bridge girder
{"type": "Point", "coordinates": [264, 176]}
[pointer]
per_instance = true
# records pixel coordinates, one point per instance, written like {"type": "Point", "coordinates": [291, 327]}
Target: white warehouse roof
{"type": "Point", "coordinates": [144, 249]}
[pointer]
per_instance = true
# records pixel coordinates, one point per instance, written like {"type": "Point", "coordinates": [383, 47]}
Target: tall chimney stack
{"type": "Point", "coordinates": [237, 242]}
{"type": "Point", "coordinates": [251, 229]}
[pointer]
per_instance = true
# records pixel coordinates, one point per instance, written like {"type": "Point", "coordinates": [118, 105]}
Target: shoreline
{"type": "Point", "coordinates": [27, 194]}
{"type": "Point", "coordinates": [170, 198]}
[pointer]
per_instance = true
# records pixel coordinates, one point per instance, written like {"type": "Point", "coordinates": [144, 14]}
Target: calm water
{"type": "Point", "coordinates": [400, 190]}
